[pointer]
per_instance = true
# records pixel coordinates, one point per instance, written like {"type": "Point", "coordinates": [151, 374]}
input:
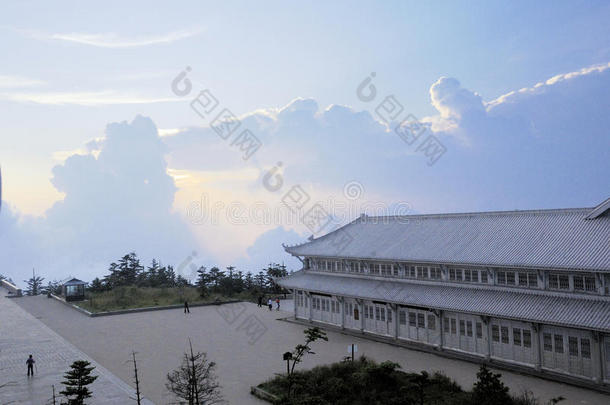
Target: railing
{"type": "Point", "coordinates": [11, 288]}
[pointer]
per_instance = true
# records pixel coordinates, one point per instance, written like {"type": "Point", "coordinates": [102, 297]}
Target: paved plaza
{"type": "Point", "coordinates": [21, 334]}
{"type": "Point", "coordinates": [247, 343]}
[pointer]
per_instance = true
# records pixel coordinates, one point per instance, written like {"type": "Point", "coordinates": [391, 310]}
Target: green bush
{"type": "Point", "coordinates": [367, 382]}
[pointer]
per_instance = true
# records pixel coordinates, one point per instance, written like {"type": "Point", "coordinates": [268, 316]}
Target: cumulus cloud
{"type": "Point", "coordinates": [118, 201]}
{"type": "Point", "coordinates": [268, 248]}
{"type": "Point", "coordinates": [546, 146]}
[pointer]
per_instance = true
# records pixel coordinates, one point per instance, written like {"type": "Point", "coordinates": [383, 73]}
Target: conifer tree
{"type": "Point", "coordinates": [76, 381]}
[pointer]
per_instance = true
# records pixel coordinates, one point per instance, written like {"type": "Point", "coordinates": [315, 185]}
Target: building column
{"type": "Point", "coordinates": [294, 298]}
{"type": "Point", "coordinates": [394, 308]}
{"type": "Point", "coordinates": [603, 356]}
{"type": "Point", "coordinates": [536, 345]}
{"type": "Point", "coordinates": [597, 357]}
{"type": "Point", "coordinates": [487, 322]}
{"type": "Point", "coordinates": [360, 304]}
{"type": "Point", "coordinates": [342, 305]}
{"type": "Point", "coordinates": [309, 300]}
{"type": "Point", "coordinates": [441, 319]}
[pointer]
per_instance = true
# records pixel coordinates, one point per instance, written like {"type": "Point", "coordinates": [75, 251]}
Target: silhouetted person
{"type": "Point", "coordinates": [260, 301]}
{"type": "Point", "coordinates": [277, 301]}
{"type": "Point", "coordinates": [30, 362]}
{"type": "Point", "coordinates": [186, 307]}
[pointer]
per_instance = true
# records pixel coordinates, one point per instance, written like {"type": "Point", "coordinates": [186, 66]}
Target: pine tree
{"type": "Point", "coordinates": [34, 284]}
{"type": "Point", "coordinates": [76, 381]}
{"type": "Point", "coordinates": [97, 285]}
{"type": "Point", "coordinates": [489, 389]}
{"type": "Point", "coordinates": [249, 281]}
{"type": "Point", "coordinates": [216, 277]}
{"type": "Point", "coordinates": [261, 280]}
{"type": "Point", "coordinates": [203, 279]}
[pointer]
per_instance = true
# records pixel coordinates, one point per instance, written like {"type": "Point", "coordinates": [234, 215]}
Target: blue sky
{"type": "Point", "coordinates": [71, 68]}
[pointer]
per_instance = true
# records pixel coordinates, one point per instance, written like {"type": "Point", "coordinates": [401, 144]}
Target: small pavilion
{"type": "Point", "coordinates": [73, 290]}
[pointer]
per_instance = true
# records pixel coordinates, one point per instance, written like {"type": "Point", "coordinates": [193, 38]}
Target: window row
{"type": "Point", "coordinates": [468, 275]}
{"type": "Point", "coordinates": [325, 304]}
{"type": "Point", "coordinates": [553, 342]}
{"type": "Point", "coordinates": [521, 337]}
{"type": "Point", "coordinates": [517, 278]}
{"type": "Point", "coordinates": [579, 282]}
{"type": "Point", "coordinates": [509, 278]}
{"type": "Point", "coordinates": [378, 313]}
{"type": "Point", "coordinates": [417, 319]}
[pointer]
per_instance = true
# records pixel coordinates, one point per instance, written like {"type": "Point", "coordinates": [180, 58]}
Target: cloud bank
{"type": "Point", "coordinates": [545, 146]}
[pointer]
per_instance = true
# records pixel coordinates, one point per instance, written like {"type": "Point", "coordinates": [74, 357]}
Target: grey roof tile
{"type": "Point", "coordinates": [548, 308]}
{"type": "Point", "coordinates": [543, 239]}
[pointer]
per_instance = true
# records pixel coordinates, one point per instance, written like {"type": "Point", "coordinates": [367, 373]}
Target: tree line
{"type": "Point", "coordinates": [128, 271]}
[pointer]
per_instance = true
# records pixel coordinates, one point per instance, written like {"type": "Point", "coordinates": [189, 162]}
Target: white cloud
{"type": "Point", "coordinates": [93, 98]}
{"type": "Point", "coordinates": [113, 40]}
{"type": "Point", "coordinates": [116, 202]}
{"type": "Point", "coordinates": [169, 131]}
{"type": "Point", "coordinates": [9, 82]}
{"type": "Point", "coordinates": [546, 146]}
{"type": "Point", "coordinates": [541, 87]}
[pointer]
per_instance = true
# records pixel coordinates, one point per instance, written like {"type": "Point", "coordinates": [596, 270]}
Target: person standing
{"type": "Point", "coordinates": [270, 304]}
{"type": "Point", "coordinates": [277, 302]}
{"type": "Point", "coordinates": [186, 307]}
{"type": "Point", "coordinates": [30, 362]}
{"type": "Point", "coordinates": [260, 301]}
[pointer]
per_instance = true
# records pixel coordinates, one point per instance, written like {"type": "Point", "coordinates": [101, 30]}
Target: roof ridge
{"type": "Point", "coordinates": [485, 213]}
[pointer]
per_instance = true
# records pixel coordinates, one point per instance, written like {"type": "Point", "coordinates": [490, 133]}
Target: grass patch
{"type": "Point", "coordinates": [141, 297]}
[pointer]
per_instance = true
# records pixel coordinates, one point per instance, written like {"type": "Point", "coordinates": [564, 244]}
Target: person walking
{"type": "Point", "coordinates": [260, 301]}
{"type": "Point", "coordinates": [277, 302]}
{"type": "Point", "coordinates": [30, 362]}
{"type": "Point", "coordinates": [270, 304]}
{"type": "Point", "coordinates": [186, 307]}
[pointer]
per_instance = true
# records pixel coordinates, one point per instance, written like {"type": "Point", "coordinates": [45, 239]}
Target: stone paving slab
{"type": "Point", "coordinates": [247, 344]}
{"type": "Point", "coordinates": [21, 334]}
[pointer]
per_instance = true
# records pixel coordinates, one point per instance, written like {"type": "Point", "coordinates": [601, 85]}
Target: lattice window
{"type": "Point", "coordinates": [558, 343]}
{"type": "Point", "coordinates": [421, 321]}
{"type": "Point", "coordinates": [517, 336]}
{"type": "Point", "coordinates": [431, 322]}
{"type": "Point", "coordinates": [527, 338]}
{"type": "Point", "coordinates": [548, 342]}
{"type": "Point", "coordinates": [479, 330]}
{"type": "Point", "coordinates": [412, 319]}
{"type": "Point", "coordinates": [573, 346]}
{"type": "Point", "coordinates": [585, 348]}
{"type": "Point", "coordinates": [402, 316]}
{"type": "Point", "coordinates": [495, 333]}
{"type": "Point", "coordinates": [504, 334]}
{"type": "Point", "coordinates": [590, 283]}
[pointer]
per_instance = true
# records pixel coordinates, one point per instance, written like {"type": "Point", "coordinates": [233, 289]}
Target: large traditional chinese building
{"type": "Point", "coordinates": [523, 288]}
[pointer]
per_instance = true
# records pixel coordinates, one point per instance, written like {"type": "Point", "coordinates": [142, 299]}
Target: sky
{"type": "Point", "coordinates": [107, 145]}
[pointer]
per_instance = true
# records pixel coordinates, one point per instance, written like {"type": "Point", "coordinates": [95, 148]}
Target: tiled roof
{"type": "Point", "coordinates": [543, 239]}
{"type": "Point", "coordinates": [548, 308]}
